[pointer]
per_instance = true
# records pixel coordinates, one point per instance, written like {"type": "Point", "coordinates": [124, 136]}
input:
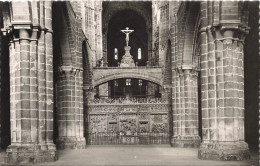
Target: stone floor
{"type": "Point", "coordinates": [138, 155]}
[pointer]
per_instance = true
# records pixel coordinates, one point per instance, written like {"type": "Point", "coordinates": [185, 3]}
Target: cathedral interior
{"type": "Point", "coordinates": [79, 73]}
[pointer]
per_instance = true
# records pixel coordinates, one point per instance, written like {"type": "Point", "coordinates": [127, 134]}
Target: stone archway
{"type": "Point", "coordinates": [111, 8]}
{"type": "Point", "coordinates": [138, 38]}
{"type": "Point", "coordinates": [102, 75]}
{"type": "Point", "coordinates": [184, 78]}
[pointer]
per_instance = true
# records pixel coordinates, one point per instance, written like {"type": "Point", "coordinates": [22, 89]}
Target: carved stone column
{"type": "Point", "coordinates": [185, 109]}
{"type": "Point", "coordinates": [150, 46]}
{"type": "Point", "coordinates": [70, 109]}
{"type": "Point", "coordinates": [105, 63]}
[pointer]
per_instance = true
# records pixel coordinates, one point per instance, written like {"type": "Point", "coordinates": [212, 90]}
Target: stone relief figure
{"type": "Point", "coordinates": [128, 126]}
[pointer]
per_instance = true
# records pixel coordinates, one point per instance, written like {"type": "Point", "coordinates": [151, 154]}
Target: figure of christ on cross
{"type": "Point", "coordinates": [127, 32]}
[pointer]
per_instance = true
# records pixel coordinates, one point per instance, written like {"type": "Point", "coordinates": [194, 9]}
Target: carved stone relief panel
{"type": "Point", "coordinates": [128, 124]}
{"type": "Point", "coordinates": [143, 116]}
{"type": "Point", "coordinates": [97, 123]}
{"type": "Point", "coordinates": [159, 123]}
{"type": "Point", "coordinates": [143, 127]}
{"type": "Point", "coordinates": [129, 119]}
{"type": "Point", "coordinates": [112, 127]}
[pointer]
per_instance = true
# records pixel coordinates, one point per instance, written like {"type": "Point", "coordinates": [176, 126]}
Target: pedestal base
{"type": "Point", "coordinates": [71, 143]}
{"type": "Point", "coordinates": [127, 59]}
{"type": "Point", "coordinates": [186, 141]}
{"type": "Point", "coordinates": [30, 154]}
{"type": "Point", "coordinates": [224, 151]}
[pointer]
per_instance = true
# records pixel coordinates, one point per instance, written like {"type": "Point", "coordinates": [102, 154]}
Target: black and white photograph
{"type": "Point", "coordinates": [129, 83]}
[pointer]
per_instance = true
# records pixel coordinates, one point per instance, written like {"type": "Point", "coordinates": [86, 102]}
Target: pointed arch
{"type": "Point", "coordinates": [188, 30]}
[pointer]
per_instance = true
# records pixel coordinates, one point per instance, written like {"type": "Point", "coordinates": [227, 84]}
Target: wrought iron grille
{"type": "Point", "coordinates": [138, 138]}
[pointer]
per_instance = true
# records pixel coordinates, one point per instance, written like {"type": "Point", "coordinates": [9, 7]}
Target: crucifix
{"type": "Point", "coordinates": [127, 31]}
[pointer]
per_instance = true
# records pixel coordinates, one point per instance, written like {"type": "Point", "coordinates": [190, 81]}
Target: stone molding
{"type": "Point", "coordinates": [69, 70]}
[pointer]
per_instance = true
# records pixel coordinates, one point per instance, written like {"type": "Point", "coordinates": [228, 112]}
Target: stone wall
{"type": "Point", "coordinates": [163, 31]}
{"type": "Point", "coordinates": [90, 30]}
{"type": "Point", "coordinates": [155, 33]}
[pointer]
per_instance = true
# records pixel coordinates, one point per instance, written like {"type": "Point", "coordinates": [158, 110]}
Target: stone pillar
{"type": "Point", "coordinates": [149, 47]}
{"type": "Point", "coordinates": [222, 85]}
{"type": "Point", "coordinates": [70, 109]}
{"type": "Point", "coordinates": [31, 89]}
{"type": "Point", "coordinates": [105, 63]}
{"type": "Point", "coordinates": [185, 109]}
{"type": "Point", "coordinates": [222, 34]}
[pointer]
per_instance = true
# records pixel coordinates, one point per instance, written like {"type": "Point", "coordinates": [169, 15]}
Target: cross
{"type": "Point", "coordinates": [127, 32]}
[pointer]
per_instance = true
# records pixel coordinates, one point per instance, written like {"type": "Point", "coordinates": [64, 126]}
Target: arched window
{"type": "Point", "coordinates": [116, 83]}
{"type": "Point", "coordinates": [139, 53]}
{"type": "Point", "coordinates": [116, 54]}
{"type": "Point", "coordinates": [128, 82]}
{"type": "Point", "coordinates": [140, 83]}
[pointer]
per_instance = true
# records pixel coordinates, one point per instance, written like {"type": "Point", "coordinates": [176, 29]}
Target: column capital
{"type": "Point", "coordinates": [222, 32]}
{"type": "Point", "coordinates": [69, 70]}
{"type": "Point", "coordinates": [184, 70]}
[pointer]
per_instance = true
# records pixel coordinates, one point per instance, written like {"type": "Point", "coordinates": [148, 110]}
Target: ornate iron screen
{"type": "Point", "coordinates": [139, 138]}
